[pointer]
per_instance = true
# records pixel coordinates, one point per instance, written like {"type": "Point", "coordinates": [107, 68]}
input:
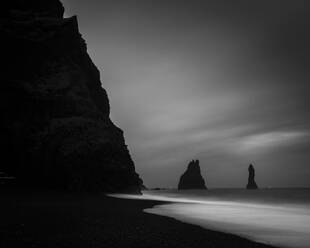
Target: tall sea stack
{"type": "Point", "coordinates": [55, 129]}
{"type": "Point", "coordinates": [192, 179]}
{"type": "Point", "coordinates": [251, 180]}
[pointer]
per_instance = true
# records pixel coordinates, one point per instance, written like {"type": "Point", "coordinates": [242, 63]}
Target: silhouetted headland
{"type": "Point", "coordinates": [56, 131]}
{"type": "Point", "coordinates": [192, 179]}
{"type": "Point", "coordinates": [251, 180]}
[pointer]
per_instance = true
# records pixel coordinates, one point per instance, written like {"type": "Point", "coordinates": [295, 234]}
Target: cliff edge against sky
{"type": "Point", "coordinates": [55, 128]}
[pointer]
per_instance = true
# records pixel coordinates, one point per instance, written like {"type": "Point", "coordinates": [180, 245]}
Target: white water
{"type": "Point", "coordinates": [277, 217]}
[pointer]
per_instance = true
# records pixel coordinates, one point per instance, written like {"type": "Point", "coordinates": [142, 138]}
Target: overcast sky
{"type": "Point", "coordinates": [225, 82]}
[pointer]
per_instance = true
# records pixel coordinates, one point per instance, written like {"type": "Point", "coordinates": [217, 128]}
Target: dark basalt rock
{"type": "Point", "coordinates": [192, 179]}
{"type": "Point", "coordinates": [55, 128]}
{"type": "Point", "coordinates": [251, 180]}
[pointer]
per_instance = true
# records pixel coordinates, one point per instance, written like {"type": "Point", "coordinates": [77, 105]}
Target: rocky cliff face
{"type": "Point", "coordinates": [192, 179]}
{"type": "Point", "coordinates": [55, 128]}
{"type": "Point", "coordinates": [251, 180]}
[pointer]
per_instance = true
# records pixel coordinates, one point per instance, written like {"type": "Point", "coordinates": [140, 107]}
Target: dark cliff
{"type": "Point", "coordinates": [192, 179]}
{"type": "Point", "coordinates": [251, 179]}
{"type": "Point", "coordinates": [55, 128]}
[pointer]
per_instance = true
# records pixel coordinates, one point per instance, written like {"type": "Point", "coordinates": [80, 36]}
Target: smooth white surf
{"type": "Point", "coordinates": [277, 217]}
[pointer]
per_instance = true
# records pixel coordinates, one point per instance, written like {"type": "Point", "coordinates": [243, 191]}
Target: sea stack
{"type": "Point", "coordinates": [192, 179]}
{"type": "Point", "coordinates": [55, 130]}
{"type": "Point", "coordinates": [251, 180]}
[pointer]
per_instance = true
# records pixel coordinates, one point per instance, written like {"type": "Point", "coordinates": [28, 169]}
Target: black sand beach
{"type": "Point", "coordinates": [82, 220]}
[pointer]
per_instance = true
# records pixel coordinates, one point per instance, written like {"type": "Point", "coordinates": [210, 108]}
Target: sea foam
{"type": "Point", "coordinates": [277, 217]}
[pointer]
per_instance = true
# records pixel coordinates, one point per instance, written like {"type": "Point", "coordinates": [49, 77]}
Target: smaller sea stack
{"type": "Point", "coordinates": [192, 179]}
{"type": "Point", "coordinates": [251, 180]}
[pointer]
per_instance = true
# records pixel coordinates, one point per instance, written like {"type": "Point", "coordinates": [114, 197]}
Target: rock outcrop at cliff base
{"type": "Point", "coordinates": [192, 179]}
{"type": "Point", "coordinates": [55, 128]}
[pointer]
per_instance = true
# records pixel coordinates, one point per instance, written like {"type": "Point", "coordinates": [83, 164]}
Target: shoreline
{"type": "Point", "coordinates": [53, 219]}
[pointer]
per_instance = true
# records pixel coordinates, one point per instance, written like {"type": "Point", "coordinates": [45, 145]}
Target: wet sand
{"type": "Point", "coordinates": [53, 219]}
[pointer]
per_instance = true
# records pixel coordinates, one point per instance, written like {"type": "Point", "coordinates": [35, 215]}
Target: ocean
{"type": "Point", "coordinates": [279, 217]}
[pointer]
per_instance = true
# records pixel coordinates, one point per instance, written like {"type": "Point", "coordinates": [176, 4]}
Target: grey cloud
{"type": "Point", "coordinates": [226, 82]}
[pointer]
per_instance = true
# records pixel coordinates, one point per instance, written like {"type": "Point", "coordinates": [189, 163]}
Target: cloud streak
{"type": "Point", "coordinates": [225, 82]}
